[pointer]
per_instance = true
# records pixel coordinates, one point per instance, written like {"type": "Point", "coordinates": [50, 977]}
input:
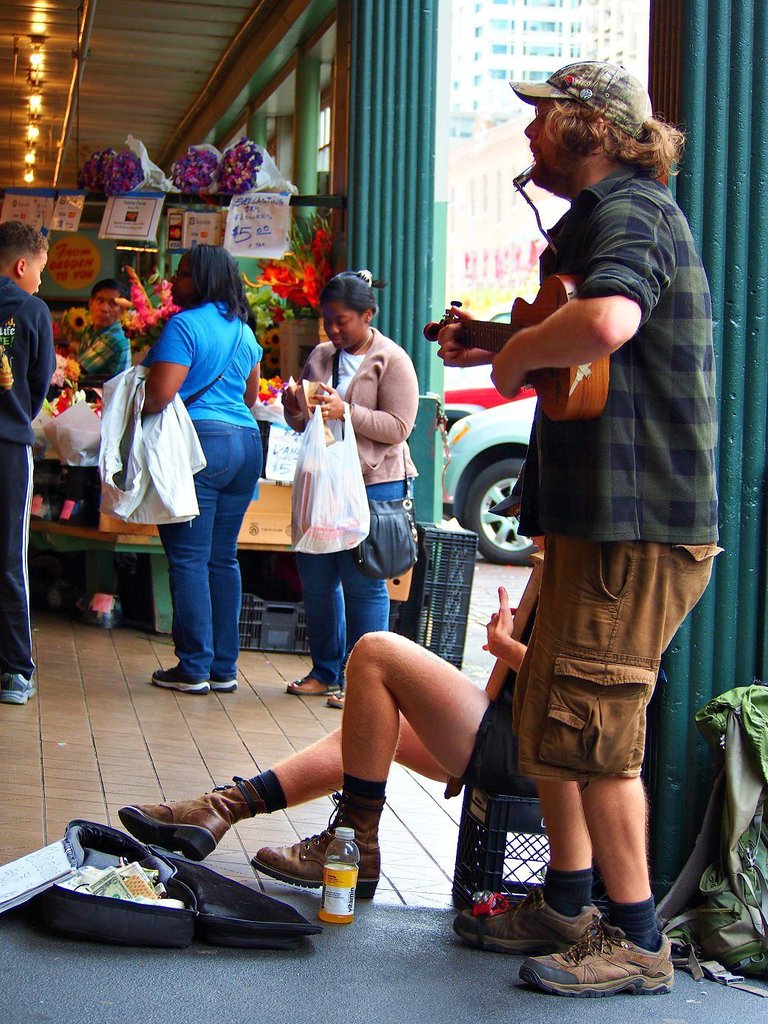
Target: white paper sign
{"type": "Point", "coordinates": [30, 205]}
{"type": "Point", "coordinates": [203, 228]}
{"type": "Point", "coordinates": [258, 224]}
{"type": "Point", "coordinates": [282, 454]}
{"type": "Point", "coordinates": [68, 211]}
{"type": "Point", "coordinates": [132, 217]}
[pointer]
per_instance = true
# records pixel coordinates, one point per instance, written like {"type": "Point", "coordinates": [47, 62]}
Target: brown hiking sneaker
{"type": "Point", "coordinates": [530, 926]}
{"type": "Point", "coordinates": [602, 963]}
{"type": "Point", "coordinates": [193, 827]}
{"type": "Point", "coordinates": [302, 863]}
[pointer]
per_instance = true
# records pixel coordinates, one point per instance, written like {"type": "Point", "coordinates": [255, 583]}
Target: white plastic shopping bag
{"type": "Point", "coordinates": [329, 510]}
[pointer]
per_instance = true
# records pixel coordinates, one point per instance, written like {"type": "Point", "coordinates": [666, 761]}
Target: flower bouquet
{"type": "Point", "coordinates": [297, 279]}
{"type": "Point", "coordinates": [73, 427]}
{"type": "Point", "coordinates": [246, 166]}
{"type": "Point", "coordinates": [91, 174]}
{"type": "Point", "coordinates": [152, 306]}
{"type": "Point", "coordinates": [70, 326]}
{"type": "Point", "coordinates": [197, 171]}
{"type": "Point", "coordinates": [67, 372]}
{"type": "Point", "coordinates": [240, 166]}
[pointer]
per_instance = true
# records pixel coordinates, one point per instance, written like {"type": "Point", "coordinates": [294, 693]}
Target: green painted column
{"type": "Point", "coordinates": [257, 127]}
{"type": "Point", "coordinates": [393, 65]}
{"type": "Point", "coordinates": [721, 48]}
{"type": "Point", "coordinates": [305, 125]}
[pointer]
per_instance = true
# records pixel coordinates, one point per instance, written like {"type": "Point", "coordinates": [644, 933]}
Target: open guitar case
{"type": "Point", "coordinates": [217, 910]}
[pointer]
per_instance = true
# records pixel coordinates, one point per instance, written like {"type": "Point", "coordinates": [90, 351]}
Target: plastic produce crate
{"type": "Point", "coordinates": [272, 626]}
{"type": "Point", "coordinates": [436, 612]}
{"type": "Point", "coordinates": [502, 846]}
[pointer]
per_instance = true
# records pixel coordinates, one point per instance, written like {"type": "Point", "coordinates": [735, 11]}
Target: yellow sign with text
{"type": "Point", "coordinates": [74, 263]}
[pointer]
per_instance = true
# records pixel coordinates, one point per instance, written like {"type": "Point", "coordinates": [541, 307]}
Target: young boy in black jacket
{"type": "Point", "coordinates": [27, 362]}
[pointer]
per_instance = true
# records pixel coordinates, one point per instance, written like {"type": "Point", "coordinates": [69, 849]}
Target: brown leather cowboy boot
{"type": "Point", "coordinates": [194, 827]}
{"type": "Point", "coordinates": [302, 863]}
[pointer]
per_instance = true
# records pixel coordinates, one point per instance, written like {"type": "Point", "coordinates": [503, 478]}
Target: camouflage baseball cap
{"type": "Point", "coordinates": [608, 88]}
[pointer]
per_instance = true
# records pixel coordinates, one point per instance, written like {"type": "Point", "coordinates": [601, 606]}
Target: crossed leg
{"type": "Point", "coordinates": [403, 704]}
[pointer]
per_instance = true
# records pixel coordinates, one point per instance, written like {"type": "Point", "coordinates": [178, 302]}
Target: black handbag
{"type": "Point", "coordinates": [391, 547]}
{"type": "Point", "coordinates": [392, 544]}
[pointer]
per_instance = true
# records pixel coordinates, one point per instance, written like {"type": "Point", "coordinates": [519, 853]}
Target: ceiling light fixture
{"type": "Point", "coordinates": [35, 80]}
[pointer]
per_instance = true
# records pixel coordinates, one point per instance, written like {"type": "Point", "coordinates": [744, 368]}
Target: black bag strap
{"type": "Point", "coordinates": [199, 394]}
{"type": "Point", "coordinates": [335, 373]}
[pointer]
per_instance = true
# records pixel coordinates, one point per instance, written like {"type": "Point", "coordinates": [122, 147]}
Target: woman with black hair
{"type": "Point", "coordinates": [209, 356]}
{"type": "Point", "coordinates": [371, 380]}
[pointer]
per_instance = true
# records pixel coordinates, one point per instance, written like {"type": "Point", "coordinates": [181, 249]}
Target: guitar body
{"type": "Point", "coordinates": [570, 392]}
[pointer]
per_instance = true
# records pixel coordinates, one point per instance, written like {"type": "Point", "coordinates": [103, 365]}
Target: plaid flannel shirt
{"type": "Point", "coordinates": [105, 352]}
{"type": "Point", "coordinates": [645, 468]}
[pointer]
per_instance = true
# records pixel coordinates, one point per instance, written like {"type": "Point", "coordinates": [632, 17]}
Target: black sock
{"type": "Point", "coordinates": [637, 921]}
{"type": "Point", "coordinates": [267, 785]}
{"type": "Point", "coordinates": [568, 892]}
{"type": "Point", "coordinates": [364, 787]}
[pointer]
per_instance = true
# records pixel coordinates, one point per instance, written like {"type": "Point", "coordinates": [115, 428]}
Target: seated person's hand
{"type": "Point", "coordinates": [500, 643]}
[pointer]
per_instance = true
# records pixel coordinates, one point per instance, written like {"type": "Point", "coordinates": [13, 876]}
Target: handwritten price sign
{"type": "Point", "coordinates": [258, 225]}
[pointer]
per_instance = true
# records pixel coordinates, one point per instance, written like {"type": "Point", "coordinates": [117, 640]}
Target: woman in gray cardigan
{"type": "Point", "coordinates": [377, 388]}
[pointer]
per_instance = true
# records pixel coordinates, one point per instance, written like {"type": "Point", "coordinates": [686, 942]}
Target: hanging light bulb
{"type": "Point", "coordinates": [35, 103]}
{"type": "Point", "coordinates": [29, 176]}
{"type": "Point", "coordinates": [36, 59]}
{"type": "Point", "coordinates": [33, 133]}
{"type": "Point", "coordinates": [29, 157]}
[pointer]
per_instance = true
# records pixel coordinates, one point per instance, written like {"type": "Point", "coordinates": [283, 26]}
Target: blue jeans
{"type": "Point", "coordinates": [202, 554]}
{"type": "Point", "coordinates": [341, 604]}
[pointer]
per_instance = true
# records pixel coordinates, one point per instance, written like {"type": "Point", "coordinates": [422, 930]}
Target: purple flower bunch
{"type": "Point", "coordinates": [240, 167]}
{"type": "Point", "coordinates": [91, 174]}
{"type": "Point", "coordinates": [196, 170]}
{"type": "Point", "coordinates": [123, 173]}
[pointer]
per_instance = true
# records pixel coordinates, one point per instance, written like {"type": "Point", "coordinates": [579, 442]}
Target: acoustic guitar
{"type": "Point", "coordinates": [569, 393]}
{"type": "Point", "coordinates": [523, 620]}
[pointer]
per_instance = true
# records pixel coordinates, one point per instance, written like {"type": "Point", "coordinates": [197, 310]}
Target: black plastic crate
{"type": "Point", "coordinates": [272, 626]}
{"type": "Point", "coordinates": [436, 612]}
{"type": "Point", "coordinates": [502, 845]}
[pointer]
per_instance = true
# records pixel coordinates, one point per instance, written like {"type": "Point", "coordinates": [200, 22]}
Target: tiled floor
{"type": "Point", "coordinates": [98, 736]}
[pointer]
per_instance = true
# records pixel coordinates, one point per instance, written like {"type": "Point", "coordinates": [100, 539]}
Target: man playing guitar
{"type": "Point", "coordinates": [628, 504]}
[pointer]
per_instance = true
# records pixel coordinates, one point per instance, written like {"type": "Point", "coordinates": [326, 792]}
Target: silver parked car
{"type": "Point", "coordinates": [487, 451]}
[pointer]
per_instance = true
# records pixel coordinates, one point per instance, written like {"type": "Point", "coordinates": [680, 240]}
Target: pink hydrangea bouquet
{"type": "Point", "coordinates": [240, 166]}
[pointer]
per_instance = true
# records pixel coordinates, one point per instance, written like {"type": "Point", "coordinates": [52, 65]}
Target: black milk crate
{"type": "Point", "coordinates": [502, 845]}
{"type": "Point", "coordinates": [272, 626]}
{"type": "Point", "coordinates": [436, 612]}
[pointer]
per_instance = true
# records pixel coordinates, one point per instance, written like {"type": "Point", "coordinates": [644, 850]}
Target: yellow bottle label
{"type": "Point", "coordinates": [337, 905]}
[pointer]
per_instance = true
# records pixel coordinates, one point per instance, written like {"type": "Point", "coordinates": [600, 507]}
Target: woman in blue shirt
{"type": "Point", "coordinates": [209, 356]}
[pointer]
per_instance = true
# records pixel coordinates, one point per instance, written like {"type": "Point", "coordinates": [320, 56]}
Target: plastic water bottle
{"type": "Point", "coordinates": [342, 857]}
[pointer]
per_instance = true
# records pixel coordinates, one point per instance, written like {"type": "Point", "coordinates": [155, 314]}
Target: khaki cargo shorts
{"type": "Point", "coordinates": [607, 612]}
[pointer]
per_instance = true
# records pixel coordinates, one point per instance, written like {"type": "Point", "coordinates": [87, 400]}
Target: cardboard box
{"type": "Point", "coordinates": [268, 520]}
{"type": "Point", "coordinates": [109, 524]}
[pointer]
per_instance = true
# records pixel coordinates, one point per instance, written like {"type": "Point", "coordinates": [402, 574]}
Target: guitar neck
{"type": "Point", "coordinates": [487, 335]}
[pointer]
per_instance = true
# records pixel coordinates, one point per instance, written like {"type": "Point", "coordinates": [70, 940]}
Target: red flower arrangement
{"type": "Point", "coordinates": [303, 272]}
